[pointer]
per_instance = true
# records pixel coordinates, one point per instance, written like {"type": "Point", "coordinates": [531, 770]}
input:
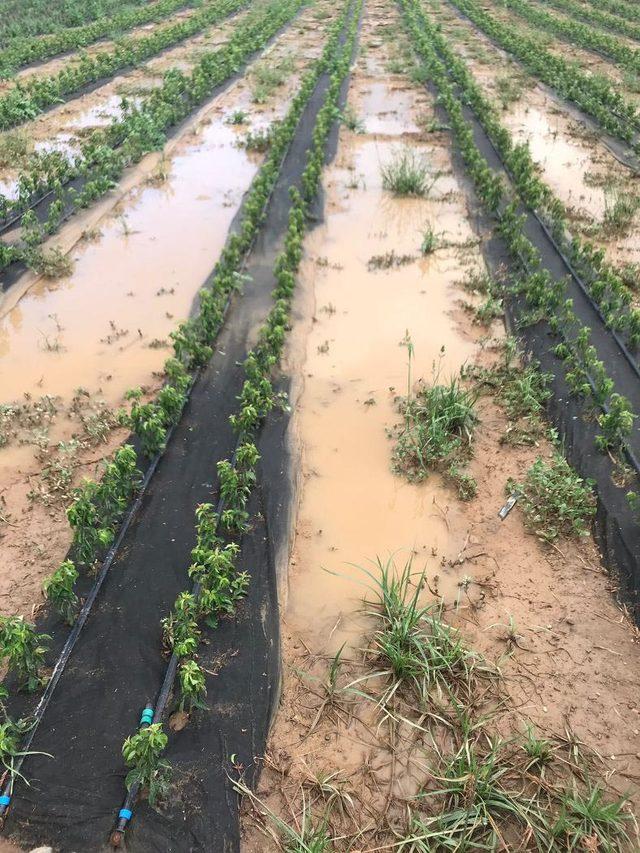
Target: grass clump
{"type": "Point", "coordinates": [269, 76]}
{"type": "Point", "coordinates": [238, 117]}
{"type": "Point", "coordinates": [389, 260]}
{"type": "Point", "coordinates": [437, 430]}
{"type": "Point", "coordinates": [351, 120]}
{"type": "Point", "coordinates": [555, 500]}
{"type": "Point", "coordinates": [15, 147]}
{"type": "Point", "coordinates": [620, 210]}
{"type": "Point", "coordinates": [259, 140]}
{"type": "Point", "coordinates": [522, 391]}
{"type": "Point", "coordinates": [407, 174]}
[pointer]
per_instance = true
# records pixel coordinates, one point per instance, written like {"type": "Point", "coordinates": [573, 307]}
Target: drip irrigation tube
{"type": "Point", "coordinates": [6, 791]}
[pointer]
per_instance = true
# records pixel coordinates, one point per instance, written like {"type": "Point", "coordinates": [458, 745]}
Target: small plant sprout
{"type": "Point", "coordinates": [351, 120]}
{"type": "Point", "coordinates": [142, 753]}
{"type": "Point", "coordinates": [59, 592]}
{"type": "Point", "coordinates": [407, 174]}
{"type": "Point", "coordinates": [23, 650]}
{"type": "Point", "coordinates": [193, 689]}
{"type": "Point", "coordinates": [430, 242]}
{"type": "Point", "coordinates": [539, 751]}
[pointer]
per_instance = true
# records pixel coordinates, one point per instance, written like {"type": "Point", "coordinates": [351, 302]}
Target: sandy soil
{"type": "Point", "coordinates": [574, 662]}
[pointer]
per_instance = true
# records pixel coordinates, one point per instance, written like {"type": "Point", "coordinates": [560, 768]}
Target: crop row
{"type": "Point", "coordinates": [32, 17]}
{"type": "Point", "coordinates": [593, 94]}
{"type": "Point", "coordinates": [108, 151]}
{"type": "Point", "coordinates": [630, 11]}
{"type": "Point", "coordinates": [544, 296]}
{"type": "Point", "coordinates": [213, 566]}
{"type": "Point", "coordinates": [28, 99]}
{"type": "Point", "coordinates": [27, 50]}
{"type": "Point", "coordinates": [576, 32]}
{"type": "Point", "coordinates": [602, 281]}
{"type": "Point", "coordinates": [598, 17]}
{"type": "Point", "coordinates": [217, 585]}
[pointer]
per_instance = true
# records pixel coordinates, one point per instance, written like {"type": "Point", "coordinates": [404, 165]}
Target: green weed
{"type": "Point", "coordinates": [407, 174]}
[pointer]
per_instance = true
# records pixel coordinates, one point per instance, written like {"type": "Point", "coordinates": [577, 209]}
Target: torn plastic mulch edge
{"type": "Point", "coordinates": [99, 702]}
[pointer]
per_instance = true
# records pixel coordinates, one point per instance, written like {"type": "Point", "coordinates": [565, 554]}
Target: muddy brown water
{"type": "Point", "coordinates": [106, 327]}
{"type": "Point", "coordinates": [580, 663]}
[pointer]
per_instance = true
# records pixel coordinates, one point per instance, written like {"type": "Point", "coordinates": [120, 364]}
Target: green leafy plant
{"type": "Point", "coordinates": [555, 500]}
{"type": "Point", "coordinates": [407, 174]}
{"type": "Point", "coordinates": [59, 592]}
{"type": "Point", "coordinates": [23, 650]}
{"type": "Point", "coordinates": [193, 689]}
{"type": "Point", "coordinates": [142, 753]}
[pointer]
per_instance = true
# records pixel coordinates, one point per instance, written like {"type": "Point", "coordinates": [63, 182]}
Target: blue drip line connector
{"type": "Point", "coordinates": [146, 717]}
{"type": "Point", "coordinates": [5, 801]}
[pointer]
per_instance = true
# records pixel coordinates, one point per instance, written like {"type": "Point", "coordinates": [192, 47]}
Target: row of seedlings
{"type": "Point", "coordinates": [621, 22]}
{"type": "Point", "coordinates": [27, 99]}
{"type": "Point", "coordinates": [544, 296]}
{"type": "Point", "coordinates": [98, 507]}
{"type": "Point", "coordinates": [107, 152]}
{"type": "Point", "coordinates": [600, 280]}
{"type": "Point", "coordinates": [33, 17]}
{"type": "Point", "coordinates": [21, 52]}
{"type": "Point", "coordinates": [595, 95]}
{"type": "Point", "coordinates": [579, 34]}
{"type": "Point", "coordinates": [217, 584]}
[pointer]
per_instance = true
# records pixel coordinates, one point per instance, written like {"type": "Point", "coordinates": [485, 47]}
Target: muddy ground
{"type": "Point", "coordinates": [567, 649]}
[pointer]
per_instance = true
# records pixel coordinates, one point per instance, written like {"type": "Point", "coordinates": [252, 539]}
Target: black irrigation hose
{"type": "Point", "coordinates": [126, 810]}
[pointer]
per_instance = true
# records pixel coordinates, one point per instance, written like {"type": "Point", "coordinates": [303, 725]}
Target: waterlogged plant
{"type": "Point", "coordinates": [58, 589]}
{"type": "Point", "coordinates": [407, 174]}
{"type": "Point", "coordinates": [555, 500]}
{"type": "Point", "coordinates": [23, 650]}
{"type": "Point", "coordinates": [142, 753]}
{"type": "Point", "coordinates": [437, 430]}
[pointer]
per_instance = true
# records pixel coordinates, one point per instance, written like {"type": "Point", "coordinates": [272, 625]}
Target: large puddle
{"type": "Point", "coordinates": [354, 508]}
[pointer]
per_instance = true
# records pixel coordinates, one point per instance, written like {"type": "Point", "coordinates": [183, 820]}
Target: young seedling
{"type": "Point", "coordinates": [23, 649]}
{"type": "Point", "coordinates": [193, 688]}
{"type": "Point", "coordinates": [142, 753]}
{"type": "Point", "coordinates": [59, 592]}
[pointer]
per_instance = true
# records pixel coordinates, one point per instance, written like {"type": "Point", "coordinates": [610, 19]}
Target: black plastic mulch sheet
{"type": "Point", "coordinates": [616, 527]}
{"type": "Point", "coordinates": [117, 665]}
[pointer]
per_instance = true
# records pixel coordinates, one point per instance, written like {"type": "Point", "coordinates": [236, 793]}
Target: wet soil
{"type": "Point", "coordinates": [105, 329]}
{"type": "Point", "coordinates": [576, 662]}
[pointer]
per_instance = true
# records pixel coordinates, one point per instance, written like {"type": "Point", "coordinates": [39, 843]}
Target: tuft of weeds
{"type": "Point", "coordinates": [521, 390]}
{"type": "Point", "coordinates": [259, 140]}
{"type": "Point", "coordinates": [389, 260]}
{"type": "Point", "coordinates": [269, 76]}
{"type": "Point", "coordinates": [437, 430]}
{"type": "Point", "coordinates": [509, 89]}
{"type": "Point", "coordinates": [15, 147]}
{"type": "Point", "coordinates": [350, 120]}
{"type": "Point", "coordinates": [589, 821]}
{"type": "Point", "coordinates": [238, 117]}
{"type": "Point", "coordinates": [621, 207]}
{"type": "Point", "coordinates": [407, 174]}
{"type": "Point", "coordinates": [555, 500]}
{"type": "Point", "coordinates": [430, 242]}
